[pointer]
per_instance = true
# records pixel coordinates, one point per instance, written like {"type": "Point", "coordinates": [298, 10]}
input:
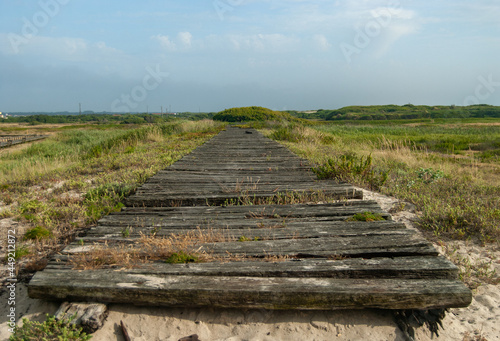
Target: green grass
{"type": "Point", "coordinates": [451, 137]}
{"type": "Point", "coordinates": [37, 233]}
{"type": "Point", "coordinates": [182, 257]}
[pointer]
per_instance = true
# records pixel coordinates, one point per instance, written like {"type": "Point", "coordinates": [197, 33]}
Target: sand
{"type": "Point", "coordinates": [479, 321]}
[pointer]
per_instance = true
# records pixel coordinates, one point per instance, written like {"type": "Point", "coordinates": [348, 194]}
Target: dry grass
{"type": "Point", "coordinates": [241, 187]}
{"type": "Point", "coordinates": [150, 248]}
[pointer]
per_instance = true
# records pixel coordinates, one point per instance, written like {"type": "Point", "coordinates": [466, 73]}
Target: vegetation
{"type": "Point", "coordinates": [50, 330]}
{"type": "Point", "coordinates": [37, 233]}
{"type": "Point", "coordinates": [182, 257]}
{"type": "Point", "coordinates": [350, 167]}
{"type": "Point", "coordinates": [37, 119]}
{"type": "Point", "coordinates": [456, 188]}
{"type": "Point", "coordinates": [459, 137]}
{"type": "Point", "coordinates": [407, 111]}
{"type": "Point", "coordinates": [61, 185]}
{"type": "Point", "coordinates": [247, 114]}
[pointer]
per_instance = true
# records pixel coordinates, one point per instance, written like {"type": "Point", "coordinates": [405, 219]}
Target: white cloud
{"type": "Point", "coordinates": [183, 41]}
{"type": "Point", "coordinates": [165, 42]}
{"type": "Point", "coordinates": [321, 42]}
{"type": "Point", "coordinates": [185, 38]}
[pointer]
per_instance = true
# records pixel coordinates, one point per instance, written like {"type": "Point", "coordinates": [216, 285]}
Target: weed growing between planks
{"type": "Point", "coordinates": [283, 198]}
{"type": "Point", "coordinates": [68, 182]}
{"type": "Point", "coordinates": [187, 247]}
{"type": "Point", "coordinates": [176, 248]}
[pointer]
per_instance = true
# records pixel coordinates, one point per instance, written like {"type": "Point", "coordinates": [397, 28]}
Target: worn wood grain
{"type": "Point", "coordinates": [383, 267]}
{"type": "Point", "coordinates": [251, 292]}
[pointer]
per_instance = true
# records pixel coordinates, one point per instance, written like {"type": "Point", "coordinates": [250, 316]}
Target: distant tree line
{"type": "Point", "coordinates": [397, 112]}
{"type": "Point", "coordinates": [87, 118]}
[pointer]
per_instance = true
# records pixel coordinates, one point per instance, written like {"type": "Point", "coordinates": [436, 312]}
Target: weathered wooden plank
{"type": "Point", "coordinates": [349, 246]}
{"type": "Point", "coordinates": [220, 199]}
{"type": "Point", "coordinates": [264, 188]}
{"type": "Point", "coordinates": [399, 267]}
{"type": "Point", "coordinates": [269, 210]}
{"type": "Point", "coordinates": [274, 229]}
{"type": "Point", "coordinates": [265, 211]}
{"type": "Point", "coordinates": [249, 292]}
{"type": "Point", "coordinates": [352, 246]}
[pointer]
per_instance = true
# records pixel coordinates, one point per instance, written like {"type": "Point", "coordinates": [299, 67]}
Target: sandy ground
{"type": "Point", "coordinates": [480, 321]}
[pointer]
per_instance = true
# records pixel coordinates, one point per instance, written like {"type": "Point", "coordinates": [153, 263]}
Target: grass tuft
{"type": "Point", "coordinates": [37, 233]}
{"type": "Point", "coordinates": [182, 257]}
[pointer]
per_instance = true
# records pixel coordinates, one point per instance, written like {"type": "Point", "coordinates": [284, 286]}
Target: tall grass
{"type": "Point", "coordinates": [444, 138]}
{"type": "Point", "coordinates": [71, 147]}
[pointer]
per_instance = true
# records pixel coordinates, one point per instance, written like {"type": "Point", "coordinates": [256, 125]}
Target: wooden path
{"type": "Point", "coordinates": [280, 252]}
{"type": "Point", "coordinates": [11, 140]}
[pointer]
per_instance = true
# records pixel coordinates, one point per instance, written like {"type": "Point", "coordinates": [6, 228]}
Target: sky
{"type": "Point", "coordinates": [209, 55]}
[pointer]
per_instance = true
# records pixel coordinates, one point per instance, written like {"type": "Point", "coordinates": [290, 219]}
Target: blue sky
{"type": "Point", "coordinates": [210, 55]}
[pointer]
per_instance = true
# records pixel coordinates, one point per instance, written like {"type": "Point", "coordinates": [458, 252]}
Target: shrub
{"type": "Point", "coordinates": [352, 168]}
{"type": "Point", "coordinates": [49, 330]}
{"type": "Point", "coordinates": [106, 199]}
{"type": "Point", "coordinates": [38, 232]}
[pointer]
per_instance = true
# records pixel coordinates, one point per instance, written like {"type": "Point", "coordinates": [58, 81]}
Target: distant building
{"type": "Point", "coordinates": [1, 115]}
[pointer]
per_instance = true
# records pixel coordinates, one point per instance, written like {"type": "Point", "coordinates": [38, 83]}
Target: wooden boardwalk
{"type": "Point", "coordinates": [276, 252]}
{"type": "Point", "coordinates": [11, 140]}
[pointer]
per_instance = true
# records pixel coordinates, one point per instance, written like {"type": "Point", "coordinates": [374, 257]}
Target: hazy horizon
{"type": "Point", "coordinates": [211, 55]}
